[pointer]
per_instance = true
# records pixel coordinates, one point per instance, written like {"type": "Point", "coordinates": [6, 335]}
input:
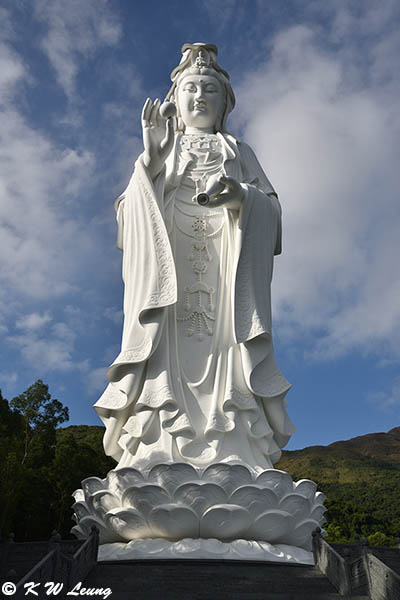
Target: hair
{"type": "Point", "coordinates": [201, 59]}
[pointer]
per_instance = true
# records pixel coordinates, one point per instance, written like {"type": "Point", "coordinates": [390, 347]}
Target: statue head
{"type": "Point", "coordinates": [199, 69]}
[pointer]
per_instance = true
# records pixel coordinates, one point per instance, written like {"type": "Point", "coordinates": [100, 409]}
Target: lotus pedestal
{"type": "Point", "coordinates": [219, 512]}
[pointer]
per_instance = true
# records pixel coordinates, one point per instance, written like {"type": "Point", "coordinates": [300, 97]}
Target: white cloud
{"type": "Point", "coordinates": [330, 144]}
{"type": "Point", "coordinates": [33, 321]}
{"type": "Point", "coordinates": [11, 70]}
{"type": "Point", "coordinates": [114, 315]}
{"type": "Point", "coordinates": [35, 235]}
{"type": "Point", "coordinates": [41, 187]}
{"type": "Point", "coordinates": [387, 400]}
{"type": "Point", "coordinates": [8, 379]}
{"type": "Point", "coordinates": [48, 350]}
{"type": "Point", "coordinates": [96, 380]}
{"type": "Point", "coordinates": [74, 33]}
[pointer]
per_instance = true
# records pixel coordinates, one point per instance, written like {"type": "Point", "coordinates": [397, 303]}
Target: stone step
{"type": "Point", "coordinates": [206, 580]}
{"type": "Point", "coordinates": [205, 595]}
{"type": "Point", "coordinates": [22, 558]}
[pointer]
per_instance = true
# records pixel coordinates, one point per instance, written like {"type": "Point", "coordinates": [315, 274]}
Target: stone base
{"type": "Point", "coordinates": [204, 549]}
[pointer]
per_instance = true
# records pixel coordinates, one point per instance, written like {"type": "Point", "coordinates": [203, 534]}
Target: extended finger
{"type": "Point", "coordinates": [146, 112]}
{"type": "Point", "coordinates": [159, 120]}
{"type": "Point", "coordinates": [154, 111]}
{"type": "Point", "coordinates": [169, 136]}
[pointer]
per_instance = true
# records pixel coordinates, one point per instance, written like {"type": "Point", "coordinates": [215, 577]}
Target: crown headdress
{"type": "Point", "coordinates": [198, 56]}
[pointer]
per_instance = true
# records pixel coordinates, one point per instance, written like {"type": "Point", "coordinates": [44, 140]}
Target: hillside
{"type": "Point", "coordinates": [348, 461]}
{"type": "Point", "coordinates": [361, 479]}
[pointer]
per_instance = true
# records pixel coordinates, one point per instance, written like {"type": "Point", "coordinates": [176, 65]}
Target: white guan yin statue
{"type": "Point", "coordinates": [195, 390]}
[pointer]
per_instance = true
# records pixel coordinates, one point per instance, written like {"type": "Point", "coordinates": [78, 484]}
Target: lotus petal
{"type": "Point", "coordinates": [92, 485]}
{"type": "Point", "coordinates": [318, 512]}
{"type": "Point", "coordinates": [306, 488]}
{"type": "Point", "coordinates": [296, 505]}
{"type": "Point", "coordinates": [228, 521]}
{"type": "Point", "coordinates": [200, 496]}
{"type": "Point", "coordinates": [271, 526]}
{"type": "Point", "coordinates": [301, 535]}
{"type": "Point", "coordinates": [229, 477]}
{"type": "Point", "coordinates": [121, 479]}
{"type": "Point", "coordinates": [173, 521]}
{"type": "Point", "coordinates": [128, 524]}
{"type": "Point", "coordinates": [81, 510]}
{"type": "Point", "coordinates": [245, 548]}
{"type": "Point", "coordinates": [101, 502]}
{"type": "Point", "coordinates": [145, 498]}
{"type": "Point", "coordinates": [172, 476]}
{"type": "Point", "coordinates": [150, 546]}
{"type": "Point", "coordinates": [278, 481]}
{"type": "Point", "coordinates": [79, 495]}
{"type": "Point", "coordinates": [107, 536]}
{"type": "Point", "coordinates": [215, 546]}
{"type": "Point", "coordinates": [319, 498]}
{"type": "Point", "coordinates": [254, 499]}
{"type": "Point", "coordinates": [78, 532]}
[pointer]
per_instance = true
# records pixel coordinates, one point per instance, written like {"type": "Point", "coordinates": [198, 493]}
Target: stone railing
{"type": "Point", "coordinates": [43, 571]}
{"type": "Point", "coordinates": [329, 562]}
{"type": "Point", "coordinates": [57, 566]}
{"type": "Point", "coordinates": [359, 583]}
{"type": "Point", "coordinates": [72, 569]}
{"type": "Point", "coordinates": [384, 583]}
{"type": "Point", "coordinates": [358, 572]}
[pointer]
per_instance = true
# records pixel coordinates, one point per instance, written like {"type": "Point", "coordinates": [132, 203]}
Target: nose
{"type": "Point", "coordinates": [199, 93]}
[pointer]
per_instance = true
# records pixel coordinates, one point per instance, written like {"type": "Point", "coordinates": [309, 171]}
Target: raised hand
{"type": "Point", "coordinates": [224, 191]}
{"type": "Point", "coordinates": [158, 137]}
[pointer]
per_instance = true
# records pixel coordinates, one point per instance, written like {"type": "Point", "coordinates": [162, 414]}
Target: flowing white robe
{"type": "Point", "coordinates": [230, 407]}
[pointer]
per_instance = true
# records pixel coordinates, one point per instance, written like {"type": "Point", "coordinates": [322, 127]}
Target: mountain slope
{"type": "Point", "coordinates": [361, 479]}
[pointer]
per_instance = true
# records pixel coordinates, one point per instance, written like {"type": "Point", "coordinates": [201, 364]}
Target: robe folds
{"type": "Point", "coordinates": [236, 411]}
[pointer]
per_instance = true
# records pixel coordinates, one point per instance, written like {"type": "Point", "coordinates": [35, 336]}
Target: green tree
{"type": "Point", "coordinates": [11, 450]}
{"type": "Point", "coordinates": [40, 413]}
{"type": "Point", "coordinates": [25, 469]}
{"type": "Point", "coordinates": [379, 539]}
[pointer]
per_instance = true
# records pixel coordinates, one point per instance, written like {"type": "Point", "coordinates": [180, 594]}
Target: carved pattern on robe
{"type": "Point", "coordinates": [166, 279]}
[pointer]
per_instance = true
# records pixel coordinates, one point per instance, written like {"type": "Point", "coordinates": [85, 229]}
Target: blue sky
{"type": "Point", "coordinates": [317, 86]}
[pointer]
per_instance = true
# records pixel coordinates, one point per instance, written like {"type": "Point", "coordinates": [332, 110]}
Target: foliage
{"type": "Point", "coordinates": [41, 465]}
{"type": "Point", "coordinates": [362, 488]}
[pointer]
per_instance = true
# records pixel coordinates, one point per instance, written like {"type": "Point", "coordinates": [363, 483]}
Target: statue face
{"type": "Point", "coordinates": [200, 100]}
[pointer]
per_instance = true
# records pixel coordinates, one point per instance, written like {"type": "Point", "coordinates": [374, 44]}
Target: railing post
{"type": "Point", "coordinates": [95, 545]}
{"type": "Point", "coordinates": [346, 589]}
{"type": "Point", "coordinates": [329, 562]}
{"type": "Point", "coordinates": [54, 544]}
{"type": "Point", "coordinates": [316, 544]}
{"type": "Point", "coordinates": [366, 561]}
